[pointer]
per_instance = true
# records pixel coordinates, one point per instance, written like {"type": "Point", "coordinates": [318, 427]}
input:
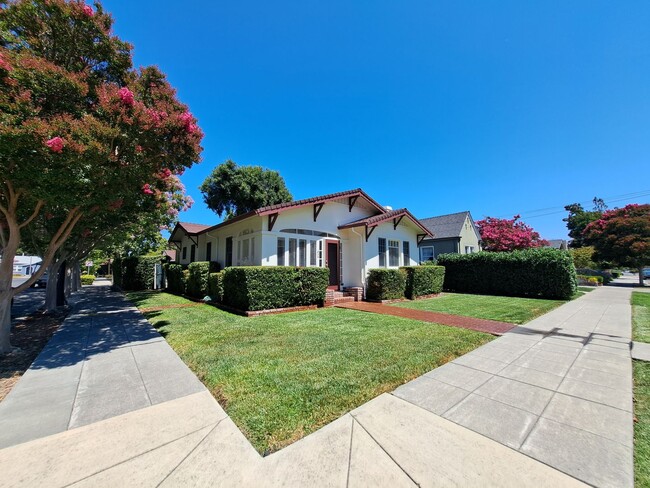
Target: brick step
{"type": "Point", "coordinates": [338, 300]}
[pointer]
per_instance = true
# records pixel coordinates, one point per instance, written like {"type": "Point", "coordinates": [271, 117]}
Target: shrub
{"type": "Point", "coordinates": [605, 275]}
{"type": "Point", "coordinates": [87, 279]}
{"type": "Point", "coordinates": [197, 284]}
{"type": "Point", "coordinates": [134, 272]}
{"type": "Point", "coordinates": [545, 273]}
{"type": "Point", "coordinates": [175, 278]}
{"type": "Point", "coordinates": [590, 280]}
{"type": "Point", "coordinates": [423, 280]}
{"type": "Point", "coordinates": [583, 257]}
{"type": "Point", "coordinates": [385, 284]}
{"type": "Point", "coordinates": [215, 287]}
{"type": "Point", "coordinates": [430, 262]}
{"type": "Point", "coordinates": [265, 287]}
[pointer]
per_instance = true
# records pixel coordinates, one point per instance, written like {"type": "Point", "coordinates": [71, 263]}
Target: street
{"type": "Point", "coordinates": [28, 301]}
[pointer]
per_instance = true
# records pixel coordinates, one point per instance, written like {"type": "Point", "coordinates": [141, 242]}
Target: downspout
{"type": "Point", "coordinates": [363, 260]}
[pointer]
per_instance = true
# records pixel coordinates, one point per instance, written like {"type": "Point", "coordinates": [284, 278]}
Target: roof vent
{"type": "Point", "coordinates": [388, 207]}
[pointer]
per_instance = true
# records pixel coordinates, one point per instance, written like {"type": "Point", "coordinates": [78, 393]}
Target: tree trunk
{"type": "Point", "coordinates": [52, 285]}
{"type": "Point", "coordinates": [60, 286]}
{"type": "Point", "coordinates": [5, 322]}
{"type": "Point", "coordinates": [6, 277]}
{"type": "Point", "coordinates": [67, 280]}
{"type": "Point", "coordinates": [641, 283]}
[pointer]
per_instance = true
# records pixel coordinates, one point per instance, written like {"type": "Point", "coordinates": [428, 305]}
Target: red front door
{"type": "Point", "coordinates": [332, 262]}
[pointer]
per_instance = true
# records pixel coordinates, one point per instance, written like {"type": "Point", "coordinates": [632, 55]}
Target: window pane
{"type": "Point", "coordinates": [292, 252]}
{"type": "Point", "coordinates": [426, 254]}
{"type": "Point", "coordinates": [192, 253]}
{"type": "Point", "coordinates": [245, 254]}
{"type": "Point", "coordinates": [184, 252]}
{"type": "Point", "coordinates": [382, 252]}
{"type": "Point", "coordinates": [393, 253]}
{"type": "Point", "coordinates": [280, 251]}
{"type": "Point", "coordinates": [228, 252]}
{"type": "Point", "coordinates": [208, 251]}
{"type": "Point", "coordinates": [320, 253]}
{"type": "Point", "coordinates": [407, 253]}
{"type": "Point", "coordinates": [303, 252]}
{"type": "Point", "coordinates": [312, 253]}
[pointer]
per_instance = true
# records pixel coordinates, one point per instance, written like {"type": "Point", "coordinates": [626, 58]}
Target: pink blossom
{"type": "Point", "coordinates": [146, 189]}
{"type": "Point", "coordinates": [55, 144]}
{"type": "Point", "coordinates": [4, 64]}
{"type": "Point", "coordinates": [126, 96]}
{"type": "Point", "coordinates": [165, 173]}
{"type": "Point", "coordinates": [138, 148]}
{"type": "Point", "coordinates": [187, 119]}
{"type": "Point", "coordinates": [88, 10]}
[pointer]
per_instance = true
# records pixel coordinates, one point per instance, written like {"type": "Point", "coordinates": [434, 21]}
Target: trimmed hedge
{"type": "Point", "coordinates": [87, 279]}
{"type": "Point", "coordinates": [175, 278]}
{"type": "Point", "coordinates": [423, 280]}
{"type": "Point", "coordinates": [385, 284]}
{"type": "Point", "coordinates": [253, 288]}
{"type": "Point", "coordinates": [215, 287]}
{"type": "Point", "coordinates": [544, 273]}
{"type": "Point", "coordinates": [197, 284]}
{"type": "Point", "coordinates": [605, 275]}
{"type": "Point", "coordinates": [134, 272]}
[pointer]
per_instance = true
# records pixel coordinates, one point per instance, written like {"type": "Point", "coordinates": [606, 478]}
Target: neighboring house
{"type": "Point", "coordinates": [453, 233]}
{"type": "Point", "coordinates": [26, 265]}
{"type": "Point", "coordinates": [170, 255]}
{"type": "Point", "coordinates": [347, 232]}
{"type": "Point", "coordinates": [562, 244]}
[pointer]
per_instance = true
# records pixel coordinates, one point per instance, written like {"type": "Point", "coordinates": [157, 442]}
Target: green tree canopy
{"type": "Point", "coordinates": [235, 190]}
{"type": "Point", "coordinates": [579, 218]}
{"type": "Point", "coordinates": [622, 236]}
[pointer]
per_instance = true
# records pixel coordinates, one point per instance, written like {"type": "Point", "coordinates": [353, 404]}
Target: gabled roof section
{"type": "Point", "coordinates": [447, 226]}
{"type": "Point", "coordinates": [189, 228]}
{"type": "Point", "coordinates": [394, 215]}
{"type": "Point", "coordinates": [350, 195]}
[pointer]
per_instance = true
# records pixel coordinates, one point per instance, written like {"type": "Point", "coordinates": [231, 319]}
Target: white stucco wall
{"type": "Point", "coordinates": [468, 237]}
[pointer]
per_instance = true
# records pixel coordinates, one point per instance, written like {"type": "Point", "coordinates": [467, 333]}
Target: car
{"type": "Point", "coordinates": [646, 273]}
{"type": "Point", "coordinates": [41, 282]}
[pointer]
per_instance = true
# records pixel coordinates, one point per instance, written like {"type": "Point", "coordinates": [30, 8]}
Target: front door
{"type": "Point", "coordinates": [333, 262]}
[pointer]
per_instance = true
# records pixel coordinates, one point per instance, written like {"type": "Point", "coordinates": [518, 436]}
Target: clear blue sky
{"type": "Point", "coordinates": [439, 106]}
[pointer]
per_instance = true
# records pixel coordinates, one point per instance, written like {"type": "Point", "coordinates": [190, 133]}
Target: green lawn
{"type": "Point", "coordinates": [641, 332]}
{"type": "Point", "coordinates": [504, 309]}
{"type": "Point", "coordinates": [281, 377]}
{"type": "Point", "coordinates": [641, 316]}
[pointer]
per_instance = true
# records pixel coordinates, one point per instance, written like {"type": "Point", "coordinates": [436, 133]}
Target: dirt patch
{"type": "Point", "coordinates": [28, 337]}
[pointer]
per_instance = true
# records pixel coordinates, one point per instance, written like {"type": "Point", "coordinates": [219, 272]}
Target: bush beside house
{"type": "Point", "coordinates": [545, 273]}
{"type": "Point", "coordinates": [175, 279]}
{"type": "Point", "coordinates": [197, 283]}
{"type": "Point", "coordinates": [423, 280]}
{"type": "Point", "coordinates": [134, 272]}
{"type": "Point", "coordinates": [385, 284]}
{"type": "Point", "coordinates": [252, 288]}
{"type": "Point", "coordinates": [215, 287]}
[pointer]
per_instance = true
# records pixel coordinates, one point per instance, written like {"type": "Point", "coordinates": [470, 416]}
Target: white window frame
{"type": "Point", "coordinates": [433, 253]}
{"type": "Point", "coordinates": [393, 244]}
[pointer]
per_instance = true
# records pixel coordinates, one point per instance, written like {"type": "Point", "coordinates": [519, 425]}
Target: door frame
{"type": "Point", "coordinates": [338, 259]}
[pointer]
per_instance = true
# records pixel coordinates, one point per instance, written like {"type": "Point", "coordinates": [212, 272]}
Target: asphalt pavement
{"type": "Point", "coordinates": [28, 301]}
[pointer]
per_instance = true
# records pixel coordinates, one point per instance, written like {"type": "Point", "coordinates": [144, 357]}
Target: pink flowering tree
{"type": "Point", "coordinates": [508, 234]}
{"type": "Point", "coordinates": [86, 141]}
{"type": "Point", "coordinates": [622, 236]}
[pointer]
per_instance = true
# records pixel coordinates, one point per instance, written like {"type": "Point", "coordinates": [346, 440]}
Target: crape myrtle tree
{"type": "Point", "coordinates": [80, 129]}
{"type": "Point", "coordinates": [235, 190]}
{"type": "Point", "coordinates": [508, 234]}
{"type": "Point", "coordinates": [622, 236]}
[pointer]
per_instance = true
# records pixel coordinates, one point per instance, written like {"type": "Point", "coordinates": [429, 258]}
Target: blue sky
{"type": "Point", "coordinates": [439, 106]}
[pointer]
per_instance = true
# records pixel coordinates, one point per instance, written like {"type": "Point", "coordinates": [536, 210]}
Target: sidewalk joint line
{"type": "Point", "coordinates": [347, 481]}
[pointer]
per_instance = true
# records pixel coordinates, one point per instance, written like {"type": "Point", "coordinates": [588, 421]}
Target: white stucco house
{"type": "Point", "coordinates": [347, 232]}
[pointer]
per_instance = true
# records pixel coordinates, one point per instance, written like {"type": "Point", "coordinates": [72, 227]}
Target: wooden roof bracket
{"type": "Point", "coordinates": [317, 208]}
{"type": "Point", "coordinates": [421, 237]}
{"type": "Point", "coordinates": [272, 218]}
{"type": "Point", "coordinates": [368, 234]}
{"type": "Point", "coordinates": [351, 202]}
{"type": "Point", "coordinates": [397, 221]}
{"type": "Point", "coordinates": [196, 242]}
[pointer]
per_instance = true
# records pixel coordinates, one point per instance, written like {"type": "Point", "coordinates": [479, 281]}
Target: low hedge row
{"type": "Point", "coordinates": [197, 284]}
{"type": "Point", "coordinates": [264, 287]}
{"type": "Point", "coordinates": [408, 281]}
{"type": "Point", "coordinates": [175, 278]}
{"type": "Point", "coordinates": [605, 276]}
{"type": "Point", "coordinates": [87, 279]}
{"type": "Point", "coordinates": [544, 273]}
{"type": "Point", "coordinates": [215, 287]}
{"type": "Point", "coordinates": [423, 280]}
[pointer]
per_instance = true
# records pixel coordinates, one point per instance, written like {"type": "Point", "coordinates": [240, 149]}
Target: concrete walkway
{"type": "Point", "coordinates": [555, 393]}
{"type": "Point", "coordinates": [105, 360]}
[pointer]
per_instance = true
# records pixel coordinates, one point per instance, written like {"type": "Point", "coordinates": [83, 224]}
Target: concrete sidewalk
{"type": "Point", "coordinates": [555, 393]}
{"type": "Point", "coordinates": [105, 360]}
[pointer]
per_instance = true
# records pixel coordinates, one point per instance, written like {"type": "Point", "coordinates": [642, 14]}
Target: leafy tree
{"type": "Point", "coordinates": [622, 236]}
{"type": "Point", "coordinates": [236, 190]}
{"type": "Point", "coordinates": [83, 136]}
{"type": "Point", "coordinates": [579, 218]}
{"type": "Point", "coordinates": [508, 234]}
{"type": "Point", "coordinates": [583, 257]}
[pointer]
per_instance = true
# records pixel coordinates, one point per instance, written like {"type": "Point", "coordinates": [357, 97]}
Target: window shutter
{"type": "Point", "coordinates": [280, 251]}
{"type": "Point", "coordinates": [407, 253]}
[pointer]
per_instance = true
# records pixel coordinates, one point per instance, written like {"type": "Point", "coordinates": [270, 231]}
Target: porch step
{"type": "Point", "coordinates": [337, 300]}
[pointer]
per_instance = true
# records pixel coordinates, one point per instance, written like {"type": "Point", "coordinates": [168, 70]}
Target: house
{"type": "Point", "coordinates": [26, 265]}
{"type": "Point", "coordinates": [347, 232]}
{"type": "Point", "coordinates": [558, 244]}
{"type": "Point", "coordinates": [452, 233]}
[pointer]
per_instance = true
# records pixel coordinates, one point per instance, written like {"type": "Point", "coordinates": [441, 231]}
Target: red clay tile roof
{"type": "Point", "coordinates": [380, 219]}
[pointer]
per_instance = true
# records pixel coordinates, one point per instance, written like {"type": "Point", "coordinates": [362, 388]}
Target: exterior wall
{"type": "Point", "coordinates": [469, 237]}
{"type": "Point", "coordinates": [440, 246]}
